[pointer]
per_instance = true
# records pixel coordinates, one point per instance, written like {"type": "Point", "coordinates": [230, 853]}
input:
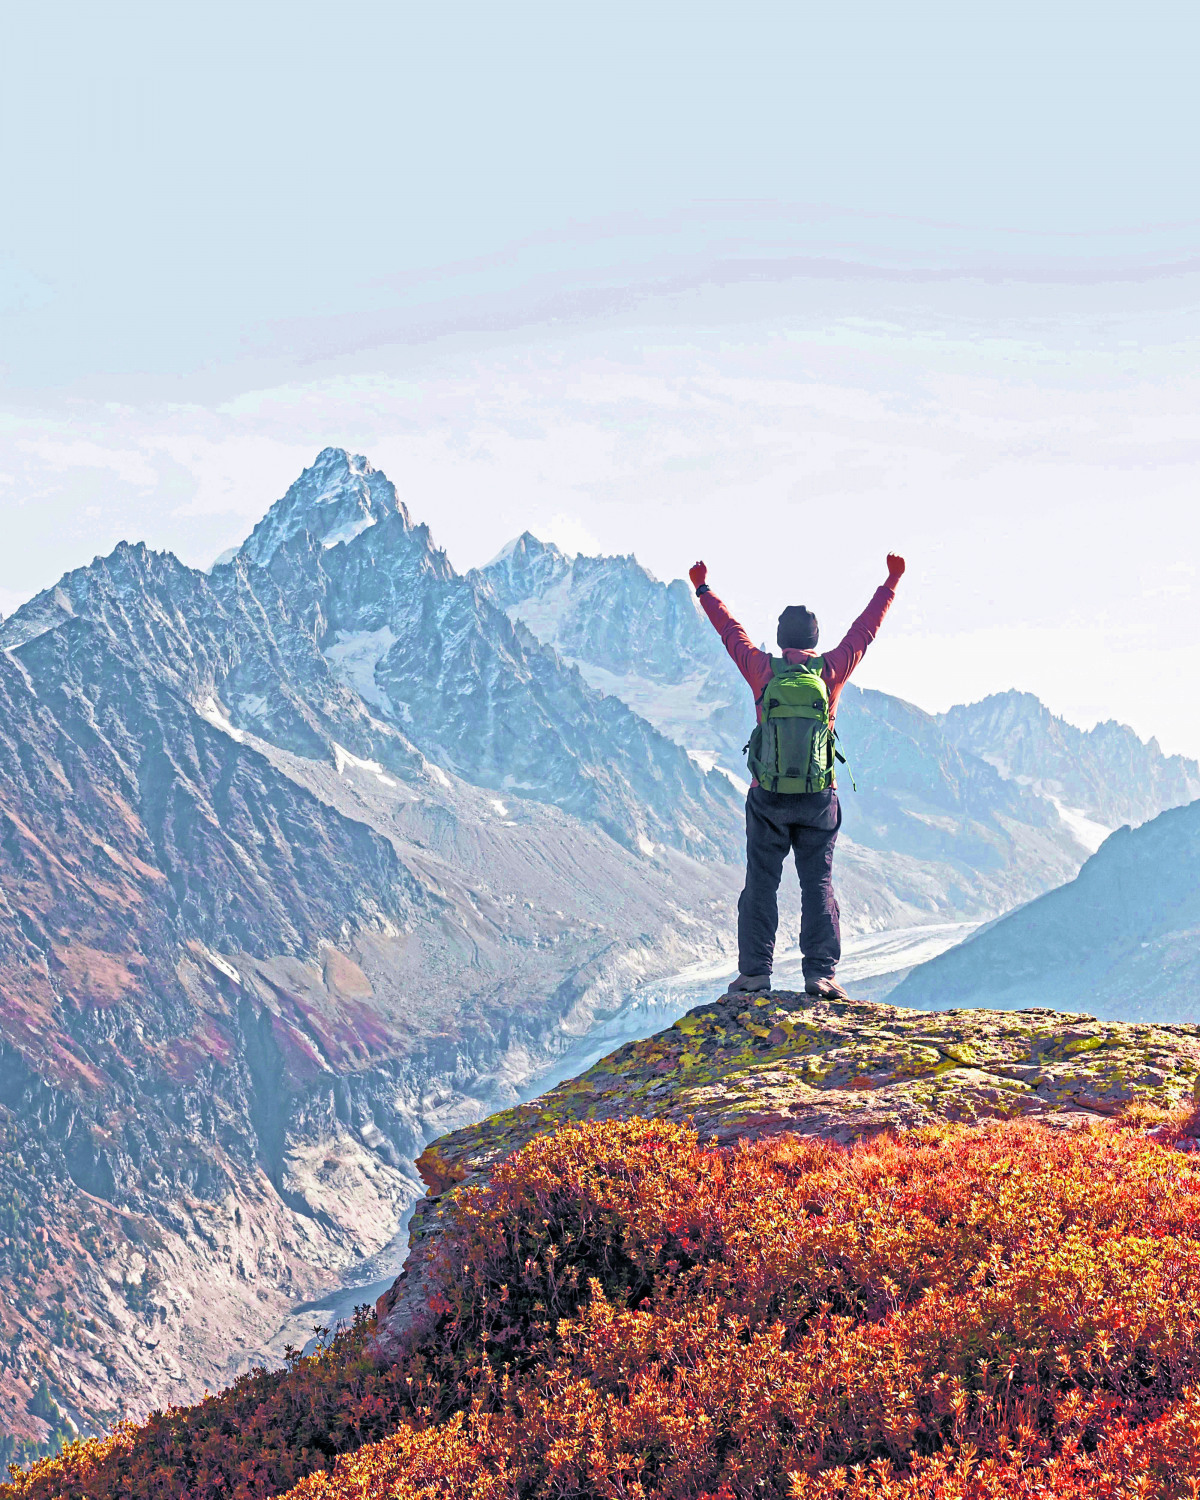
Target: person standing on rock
{"type": "Point", "coordinates": [792, 803]}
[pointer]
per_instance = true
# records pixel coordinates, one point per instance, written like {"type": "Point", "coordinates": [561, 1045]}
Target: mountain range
{"type": "Point", "coordinates": [261, 931]}
{"type": "Point", "coordinates": [1121, 940]}
{"type": "Point", "coordinates": [1105, 776]}
{"type": "Point", "coordinates": [308, 858]}
{"type": "Point", "coordinates": [963, 813]}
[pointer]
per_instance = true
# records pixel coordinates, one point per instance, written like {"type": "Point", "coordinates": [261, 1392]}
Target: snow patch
{"type": "Point", "coordinates": [1086, 830]}
{"type": "Point", "coordinates": [222, 967]}
{"type": "Point", "coordinates": [647, 848]}
{"type": "Point", "coordinates": [1083, 828]}
{"type": "Point", "coordinates": [16, 662]}
{"type": "Point", "coordinates": [997, 763]}
{"type": "Point", "coordinates": [212, 713]}
{"type": "Point", "coordinates": [544, 616]}
{"type": "Point", "coordinates": [437, 774]}
{"type": "Point", "coordinates": [708, 760]}
{"type": "Point", "coordinates": [500, 807]}
{"type": "Point", "coordinates": [679, 710]}
{"type": "Point", "coordinates": [348, 533]}
{"type": "Point", "coordinates": [355, 655]}
{"type": "Point", "coordinates": [254, 705]}
{"type": "Point", "coordinates": [504, 553]}
{"type": "Point", "coordinates": [343, 759]}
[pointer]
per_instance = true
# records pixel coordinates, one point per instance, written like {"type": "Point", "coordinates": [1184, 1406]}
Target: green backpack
{"type": "Point", "coordinates": [792, 749]}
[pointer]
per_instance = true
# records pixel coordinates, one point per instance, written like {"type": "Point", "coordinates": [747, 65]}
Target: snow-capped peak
{"type": "Point", "coordinates": [336, 500]}
{"type": "Point", "coordinates": [524, 568]}
{"type": "Point", "coordinates": [506, 551]}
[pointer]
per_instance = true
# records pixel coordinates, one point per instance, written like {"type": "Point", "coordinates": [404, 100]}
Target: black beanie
{"type": "Point", "coordinates": [797, 628]}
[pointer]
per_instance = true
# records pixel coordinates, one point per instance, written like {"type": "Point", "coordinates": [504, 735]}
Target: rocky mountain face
{"type": "Point", "coordinates": [941, 819]}
{"type": "Point", "coordinates": [1105, 775]}
{"type": "Point", "coordinates": [300, 861]}
{"type": "Point", "coordinates": [632, 637]}
{"type": "Point", "coordinates": [745, 1067]}
{"type": "Point", "coordinates": [1122, 938]}
{"type": "Point", "coordinates": [941, 823]}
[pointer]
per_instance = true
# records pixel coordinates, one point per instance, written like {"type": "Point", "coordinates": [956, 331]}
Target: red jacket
{"type": "Point", "coordinates": [755, 665]}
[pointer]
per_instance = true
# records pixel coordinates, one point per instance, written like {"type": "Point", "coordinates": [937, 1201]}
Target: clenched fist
{"type": "Point", "coordinates": [895, 567]}
{"type": "Point", "coordinates": [698, 572]}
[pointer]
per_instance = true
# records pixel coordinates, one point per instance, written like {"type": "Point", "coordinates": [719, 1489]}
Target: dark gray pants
{"type": "Point", "coordinates": [806, 823]}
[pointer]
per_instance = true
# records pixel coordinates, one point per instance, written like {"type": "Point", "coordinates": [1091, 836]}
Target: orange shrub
{"type": "Point", "coordinates": [963, 1314]}
{"type": "Point", "coordinates": [410, 1465]}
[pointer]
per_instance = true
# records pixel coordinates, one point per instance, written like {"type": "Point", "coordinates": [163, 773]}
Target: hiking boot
{"type": "Point", "coordinates": [825, 989]}
{"type": "Point", "coordinates": [750, 984]}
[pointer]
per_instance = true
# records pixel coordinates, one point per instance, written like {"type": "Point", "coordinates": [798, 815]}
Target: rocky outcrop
{"type": "Point", "coordinates": [746, 1067]}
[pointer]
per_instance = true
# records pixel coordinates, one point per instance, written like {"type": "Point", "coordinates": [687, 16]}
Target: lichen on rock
{"type": "Point", "coordinates": [743, 1068]}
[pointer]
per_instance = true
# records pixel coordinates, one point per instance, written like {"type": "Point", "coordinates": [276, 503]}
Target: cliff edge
{"type": "Point", "coordinates": [746, 1067]}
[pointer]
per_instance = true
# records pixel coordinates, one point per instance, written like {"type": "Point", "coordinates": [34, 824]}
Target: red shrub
{"type": "Point", "coordinates": [961, 1314]}
{"type": "Point", "coordinates": [253, 1440]}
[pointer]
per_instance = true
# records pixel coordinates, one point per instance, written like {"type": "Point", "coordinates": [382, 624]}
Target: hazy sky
{"type": "Point", "coordinates": [783, 284]}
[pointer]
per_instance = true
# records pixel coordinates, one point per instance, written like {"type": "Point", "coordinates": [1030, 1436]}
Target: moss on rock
{"type": "Point", "coordinates": [841, 1070]}
{"type": "Point", "coordinates": [845, 1069]}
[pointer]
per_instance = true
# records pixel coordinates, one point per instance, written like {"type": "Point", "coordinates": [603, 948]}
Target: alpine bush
{"type": "Point", "coordinates": [961, 1314]}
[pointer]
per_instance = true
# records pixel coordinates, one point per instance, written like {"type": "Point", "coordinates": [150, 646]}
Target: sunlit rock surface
{"type": "Point", "coordinates": [749, 1066]}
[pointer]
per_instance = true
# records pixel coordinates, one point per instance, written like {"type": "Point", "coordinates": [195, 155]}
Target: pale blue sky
{"type": "Point", "coordinates": [179, 176]}
{"type": "Point", "coordinates": [654, 277]}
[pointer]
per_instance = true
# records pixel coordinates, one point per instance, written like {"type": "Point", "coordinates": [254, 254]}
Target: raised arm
{"type": "Point", "coordinates": [753, 664]}
{"type": "Point", "coordinates": [847, 654]}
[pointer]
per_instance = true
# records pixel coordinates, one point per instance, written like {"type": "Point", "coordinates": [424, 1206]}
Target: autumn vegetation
{"type": "Point", "coordinates": [962, 1314]}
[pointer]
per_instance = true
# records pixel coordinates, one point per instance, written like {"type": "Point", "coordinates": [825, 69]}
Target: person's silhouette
{"type": "Point", "coordinates": [792, 803]}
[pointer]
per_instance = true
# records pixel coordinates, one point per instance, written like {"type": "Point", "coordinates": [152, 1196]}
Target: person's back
{"type": "Point", "coordinates": [792, 803]}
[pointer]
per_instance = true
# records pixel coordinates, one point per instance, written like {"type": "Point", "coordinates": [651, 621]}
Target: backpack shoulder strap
{"type": "Point", "coordinates": [780, 666]}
